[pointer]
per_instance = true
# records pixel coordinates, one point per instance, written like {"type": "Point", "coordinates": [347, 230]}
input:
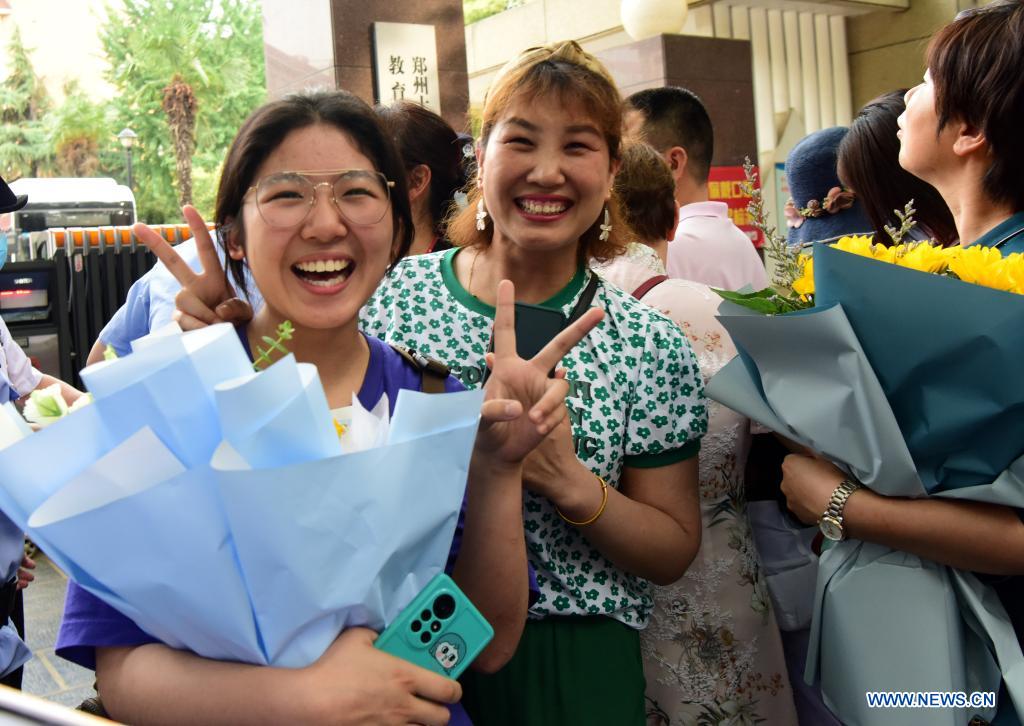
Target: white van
{"type": "Point", "coordinates": [63, 202]}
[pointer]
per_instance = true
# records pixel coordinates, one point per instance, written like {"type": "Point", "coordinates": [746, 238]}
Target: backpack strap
{"type": "Point", "coordinates": [433, 373]}
{"type": "Point", "coordinates": [646, 287]}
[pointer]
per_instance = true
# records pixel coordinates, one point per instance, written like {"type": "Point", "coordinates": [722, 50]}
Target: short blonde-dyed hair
{"type": "Point", "coordinates": [646, 189]}
{"type": "Point", "coordinates": [572, 75]}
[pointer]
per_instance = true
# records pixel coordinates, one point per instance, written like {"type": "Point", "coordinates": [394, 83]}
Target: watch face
{"type": "Point", "coordinates": [832, 528]}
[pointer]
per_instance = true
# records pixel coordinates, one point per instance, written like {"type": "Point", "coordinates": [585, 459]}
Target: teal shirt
{"type": "Point", "coordinates": [1008, 235]}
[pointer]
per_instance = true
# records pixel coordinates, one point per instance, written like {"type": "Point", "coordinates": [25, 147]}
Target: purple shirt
{"type": "Point", "coordinates": [90, 623]}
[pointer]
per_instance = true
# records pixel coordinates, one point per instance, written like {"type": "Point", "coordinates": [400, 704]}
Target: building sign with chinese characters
{"type": "Point", "coordinates": [405, 64]}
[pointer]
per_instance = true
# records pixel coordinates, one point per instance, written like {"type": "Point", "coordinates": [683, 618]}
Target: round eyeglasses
{"type": "Point", "coordinates": [286, 198]}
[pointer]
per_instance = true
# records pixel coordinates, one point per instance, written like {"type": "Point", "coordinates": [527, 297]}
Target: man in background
{"type": "Point", "coordinates": [708, 247]}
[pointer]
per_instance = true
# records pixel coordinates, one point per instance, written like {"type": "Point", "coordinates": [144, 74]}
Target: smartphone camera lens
{"type": "Point", "coordinates": [425, 637]}
{"type": "Point", "coordinates": [416, 626]}
{"type": "Point", "coordinates": [435, 627]}
{"type": "Point", "coordinates": [444, 606]}
{"type": "Point", "coordinates": [425, 615]}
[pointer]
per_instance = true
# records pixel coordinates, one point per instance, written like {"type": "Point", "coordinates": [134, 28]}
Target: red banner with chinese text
{"type": "Point", "coordinates": [725, 184]}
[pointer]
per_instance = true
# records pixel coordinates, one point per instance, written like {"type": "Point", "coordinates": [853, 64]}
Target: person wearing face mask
{"type": "Point", "coordinates": [18, 378]}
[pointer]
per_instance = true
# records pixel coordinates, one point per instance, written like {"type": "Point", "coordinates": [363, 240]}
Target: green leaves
{"type": "Point", "coordinates": [767, 301]}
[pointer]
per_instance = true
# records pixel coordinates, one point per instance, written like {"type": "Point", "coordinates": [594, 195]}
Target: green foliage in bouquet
{"type": "Point", "coordinates": [284, 332]}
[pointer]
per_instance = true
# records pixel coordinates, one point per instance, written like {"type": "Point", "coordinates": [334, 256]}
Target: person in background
{"type": "Point", "coordinates": [434, 165]}
{"type": "Point", "coordinates": [707, 246]}
{"type": "Point", "coordinates": [960, 132]}
{"type": "Point", "coordinates": [18, 378]}
{"type": "Point", "coordinates": [712, 646]}
{"type": "Point", "coordinates": [820, 209]}
{"type": "Point", "coordinates": [868, 165]}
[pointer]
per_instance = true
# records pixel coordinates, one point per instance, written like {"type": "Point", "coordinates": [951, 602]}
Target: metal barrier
{"type": "Point", "coordinates": [95, 267]}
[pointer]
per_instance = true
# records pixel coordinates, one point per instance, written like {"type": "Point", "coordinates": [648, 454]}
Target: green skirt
{"type": "Point", "coordinates": [566, 671]}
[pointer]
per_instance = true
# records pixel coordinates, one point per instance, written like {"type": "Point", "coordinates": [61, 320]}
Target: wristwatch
{"type": "Point", "coordinates": [831, 522]}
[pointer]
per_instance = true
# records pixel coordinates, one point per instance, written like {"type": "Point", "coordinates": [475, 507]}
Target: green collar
{"type": "Point", "coordinates": [1003, 231]}
{"type": "Point", "coordinates": [560, 299]}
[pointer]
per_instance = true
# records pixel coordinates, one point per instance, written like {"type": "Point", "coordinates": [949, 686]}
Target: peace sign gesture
{"type": "Point", "coordinates": [206, 297]}
{"type": "Point", "coordinates": [522, 404]}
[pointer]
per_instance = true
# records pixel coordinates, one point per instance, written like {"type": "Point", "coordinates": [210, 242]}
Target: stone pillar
{"type": "Point", "coordinates": [329, 43]}
{"type": "Point", "coordinates": [716, 69]}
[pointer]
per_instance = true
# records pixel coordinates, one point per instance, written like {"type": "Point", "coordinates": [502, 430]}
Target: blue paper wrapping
{"type": "Point", "coordinates": [181, 496]}
{"type": "Point", "coordinates": [908, 381]}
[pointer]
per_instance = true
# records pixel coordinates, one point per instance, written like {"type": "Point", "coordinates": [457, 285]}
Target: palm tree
{"type": "Point", "coordinates": [180, 106]}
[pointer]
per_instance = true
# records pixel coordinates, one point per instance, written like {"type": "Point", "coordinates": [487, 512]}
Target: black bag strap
{"type": "Point", "coordinates": [583, 304]}
{"type": "Point", "coordinates": [649, 285]}
{"type": "Point", "coordinates": [433, 373]}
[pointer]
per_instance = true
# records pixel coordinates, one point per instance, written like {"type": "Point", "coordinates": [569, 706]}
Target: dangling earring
{"type": "Point", "coordinates": [606, 228]}
{"type": "Point", "coordinates": [481, 215]}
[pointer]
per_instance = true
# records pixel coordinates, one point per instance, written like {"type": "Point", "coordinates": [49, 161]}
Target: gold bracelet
{"type": "Point", "coordinates": [600, 510]}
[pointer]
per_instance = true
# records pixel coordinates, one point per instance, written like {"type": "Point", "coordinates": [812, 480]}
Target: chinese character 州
{"type": "Point", "coordinates": [396, 65]}
{"type": "Point", "coordinates": [419, 65]}
{"type": "Point", "coordinates": [420, 85]}
{"type": "Point", "coordinates": [398, 91]}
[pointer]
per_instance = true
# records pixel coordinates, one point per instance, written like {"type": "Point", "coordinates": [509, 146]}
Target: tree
{"type": "Point", "coordinates": [188, 72]}
{"type": "Point", "coordinates": [78, 133]}
{"type": "Point", "coordinates": [24, 146]}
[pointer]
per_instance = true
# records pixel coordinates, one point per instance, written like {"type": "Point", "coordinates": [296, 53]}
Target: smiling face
{"type": "Point", "coordinates": [546, 174]}
{"type": "Point", "coordinates": [319, 272]}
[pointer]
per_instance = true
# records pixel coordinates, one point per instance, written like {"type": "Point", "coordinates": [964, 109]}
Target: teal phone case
{"type": "Point", "coordinates": [440, 630]}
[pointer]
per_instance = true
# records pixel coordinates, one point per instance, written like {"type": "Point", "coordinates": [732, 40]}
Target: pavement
{"type": "Point", "coordinates": [46, 675]}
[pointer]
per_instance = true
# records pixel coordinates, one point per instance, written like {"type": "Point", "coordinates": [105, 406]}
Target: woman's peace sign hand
{"type": "Point", "coordinates": [522, 403]}
{"type": "Point", "coordinates": [205, 297]}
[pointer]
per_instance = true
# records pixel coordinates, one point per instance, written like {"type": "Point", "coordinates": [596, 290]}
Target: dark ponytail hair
{"type": "Point", "coordinates": [423, 137]}
{"type": "Point", "coordinates": [868, 164]}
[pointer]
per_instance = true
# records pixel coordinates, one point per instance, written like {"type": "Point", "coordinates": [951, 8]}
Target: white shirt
{"type": "Point", "coordinates": [709, 248]}
{"type": "Point", "coordinates": [15, 365]}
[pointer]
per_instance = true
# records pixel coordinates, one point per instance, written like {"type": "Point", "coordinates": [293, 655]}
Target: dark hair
{"type": "Point", "coordinates": [674, 116]}
{"type": "Point", "coordinates": [425, 138]}
{"type": "Point", "coordinates": [646, 191]}
{"type": "Point", "coordinates": [868, 164]}
{"type": "Point", "coordinates": [268, 126]}
{"type": "Point", "coordinates": [566, 74]}
{"type": "Point", "coordinates": [975, 63]}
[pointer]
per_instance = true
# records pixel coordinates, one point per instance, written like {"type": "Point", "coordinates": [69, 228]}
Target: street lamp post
{"type": "Point", "coordinates": [127, 138]}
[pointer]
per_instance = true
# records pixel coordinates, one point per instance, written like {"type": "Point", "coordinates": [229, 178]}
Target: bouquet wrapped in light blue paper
{"type": "Point", "coordinates": [909, 381]}
{"type": "Point", "coordinates": [181, 495]}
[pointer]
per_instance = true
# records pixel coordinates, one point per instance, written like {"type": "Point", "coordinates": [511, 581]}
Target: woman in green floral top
{"type": "Point", "coordinates": [611, 502]}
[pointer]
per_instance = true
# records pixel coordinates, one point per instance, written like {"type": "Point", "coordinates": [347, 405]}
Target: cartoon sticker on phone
{"type": "Point", "coordinates": [449, 650]}
{"type": "Point", "coordinates": [439, 630]}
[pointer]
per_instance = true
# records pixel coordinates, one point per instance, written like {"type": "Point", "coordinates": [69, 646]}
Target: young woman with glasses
{"type": "Point", "coordinates": [312, 201]}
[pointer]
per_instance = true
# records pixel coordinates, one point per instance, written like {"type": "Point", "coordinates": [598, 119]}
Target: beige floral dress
{"type": "Point", "coordinates": [712, 651]}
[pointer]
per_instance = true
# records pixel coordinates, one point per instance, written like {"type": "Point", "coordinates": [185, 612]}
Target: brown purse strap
{"type": "Point", "coordinates": [649, 285]}
{"type": "Point", "coordinates": [433, 373]}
